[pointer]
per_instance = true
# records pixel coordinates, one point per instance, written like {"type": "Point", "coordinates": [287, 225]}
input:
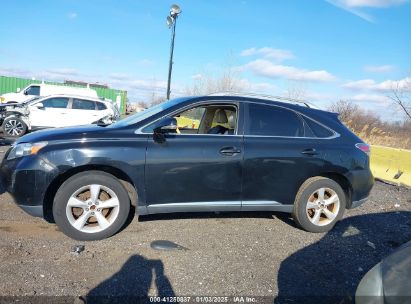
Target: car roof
{"type": "Point", "coordinates": [296, 106]}
{"type": "Point", "coordinates": [287, 100]}
{"type": "Point", "coordinates": [75, 96]}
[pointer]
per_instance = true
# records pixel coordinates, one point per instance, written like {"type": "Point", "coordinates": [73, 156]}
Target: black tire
{"type": "Point", "coordinates": [79, 181]}
{"type": "Point", "coordinates": [308, 191]}
{"type": "Point", "coordinates": [14, 127]}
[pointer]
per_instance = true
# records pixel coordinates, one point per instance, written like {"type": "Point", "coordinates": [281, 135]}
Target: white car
{"type": "Point", "coordinates": [56, 111]}
{"type": "Point", "coordinates": [43, 89]}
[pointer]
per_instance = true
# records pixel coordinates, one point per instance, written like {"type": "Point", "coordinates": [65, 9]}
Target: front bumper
{"type": "Point", "coordinates": [27, 180]}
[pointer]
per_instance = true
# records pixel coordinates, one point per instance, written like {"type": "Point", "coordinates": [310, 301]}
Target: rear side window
{"type": "Point", "coordinates": [57, 102]}
{"type": "Point", "coordinates": [317, 129]}
{"type": "Point", "coordinates": [266, 120]}
{"type": "Point", "coordinates": [101, 106]}
{"type": "Point", "coordinates": [82, 104]}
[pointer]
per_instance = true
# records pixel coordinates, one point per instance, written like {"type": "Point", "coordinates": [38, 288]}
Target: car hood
{"type": "Point", "coordinates": [14, 97]}
{"type": "Point", "coordinates": [61, 134]}
{"type": "Point", "coordinates": [396, 274]}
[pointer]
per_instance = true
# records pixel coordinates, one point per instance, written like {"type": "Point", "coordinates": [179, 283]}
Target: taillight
{"type": "Point", "coordinates": [363, 147]}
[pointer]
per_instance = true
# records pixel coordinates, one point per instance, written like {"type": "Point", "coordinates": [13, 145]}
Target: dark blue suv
{"type": "Point", "coordinates": [210, 153]}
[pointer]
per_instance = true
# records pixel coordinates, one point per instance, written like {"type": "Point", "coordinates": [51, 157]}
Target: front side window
{"type": "Point", "coordinates": [33, 90]}
{"type": "Point", "coordinates": [189, 121]}
{"type": "Point", "coordinates": [265, 120]}
{"type": "Point", "coordinates": [82, 104]}
{"type": "Point", "coordinates": [56, 102]}
{"type": "Point", "coordinates": [204, 119]}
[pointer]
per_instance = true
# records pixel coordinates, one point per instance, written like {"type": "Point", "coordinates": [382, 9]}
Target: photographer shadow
{"type": "Point", "coordinates": [132, 283]}
{"type": "Point", "coordinates": [330, 270]}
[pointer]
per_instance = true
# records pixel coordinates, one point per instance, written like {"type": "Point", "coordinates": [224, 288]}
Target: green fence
{"type": "Point", "coordinates": [10, 84]}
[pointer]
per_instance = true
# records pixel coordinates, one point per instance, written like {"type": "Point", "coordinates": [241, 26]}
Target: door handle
{"type": "Point", "coordinates": [310, 151]}
{"type": "Point", "coordinates": [230, 151]}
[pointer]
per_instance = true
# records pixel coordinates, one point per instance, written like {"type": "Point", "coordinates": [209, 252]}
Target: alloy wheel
{"type": "Point", "coordinates": [13, 127]}
{"type": "Point", "coordinates": [92, 208]}
{"type": "Point", "coordinates": [323, 206]}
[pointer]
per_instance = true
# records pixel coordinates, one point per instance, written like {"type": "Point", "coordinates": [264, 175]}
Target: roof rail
{"type": "Point", "coordinates": [268, 97]}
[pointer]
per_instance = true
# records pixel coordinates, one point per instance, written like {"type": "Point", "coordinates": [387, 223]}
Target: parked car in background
{"type": "Point", "coordinates": [55, 111]}
{"type": "Point", "coordinates": [199, 154]}
{"type": "Point", "coordinates": [388, 282]}
{"type": "Point", "coordinates": [43, 89]}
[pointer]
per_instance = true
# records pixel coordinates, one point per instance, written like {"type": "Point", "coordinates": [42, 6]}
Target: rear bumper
{"type": "Point", "coordinates": [361, 181]}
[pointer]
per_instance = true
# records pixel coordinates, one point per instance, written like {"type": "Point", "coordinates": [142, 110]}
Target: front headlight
{"type": "Point", "coordinates": [2, 99]}
{"type": "Point", "coordinates": [26, 149]}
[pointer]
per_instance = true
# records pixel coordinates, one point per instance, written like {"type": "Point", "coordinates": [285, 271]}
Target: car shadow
{"type": "Point", "coordinates": [131, 284]}
{"type": "Point", "coordinates": [5, 141]}
{"type": "Point", "coordinates": [330, 270]}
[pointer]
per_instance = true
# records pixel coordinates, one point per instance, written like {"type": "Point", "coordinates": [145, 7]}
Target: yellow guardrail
{"type": "Point", "coordinates": [392, 165]}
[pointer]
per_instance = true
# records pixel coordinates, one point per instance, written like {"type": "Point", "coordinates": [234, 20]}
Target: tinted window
{"type": "Point", "coordinates": [57, 102]}
{"type": "Point", "coordinates": [273, 121]}
{"type": "Point", "coordinates": [101, 106]}
{"type": "Point", "coordinates": [82, 104]}
{"type": "Point", "coordinates": [33, 90]}
{"type": "Point", "coordinates": [317, 129]}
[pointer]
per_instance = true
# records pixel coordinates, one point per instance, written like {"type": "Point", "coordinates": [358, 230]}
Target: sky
{"type": "Point", "coordinates": [321, 50]}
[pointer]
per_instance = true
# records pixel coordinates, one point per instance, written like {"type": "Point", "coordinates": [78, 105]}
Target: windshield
{"type": "Point", "coordinates": [140, 116]}
{"type": "Point", "coordinates": [31, 100]}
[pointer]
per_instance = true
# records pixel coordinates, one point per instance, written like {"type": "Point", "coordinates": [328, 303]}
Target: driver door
{"type": "Point", "coordinates": [193, 170]}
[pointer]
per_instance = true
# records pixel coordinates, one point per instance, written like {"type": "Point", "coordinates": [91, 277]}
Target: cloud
{"type": "Point", "coordinates": [197, 76]}
{"type": "Point", "coordinates": [353, 6]}
{"type": "Point", "coordinates": [59, 74]}
{"type": "Point", "coordinates": [145, 62]}
{"type": "Point", "coordinates": [370, 98]}
{"type": "Point", "coordinates": [268, 69]}
{"type": "Point", "coordinates": [370, 3]}
{"type": "Point", "coordinates": [119, 76]}
{"type": "Point", "coordinates": [372, 85]}
{"type": "Point", "coordinates": [267, 52]}
{"type": "Point", "coordinates": [72, 15]}
{"type": "Point", "coordinates": [379, 68]}
{"type": "Point", "coordinates": [259, 87]}
{"type": "Point", "coordinates": [138, 89]}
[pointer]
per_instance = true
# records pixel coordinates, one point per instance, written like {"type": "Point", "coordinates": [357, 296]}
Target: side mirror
{"type": "Point", "coordinates": [39, 105]}
{"type": "Point", "coordinates": [18, 90]}
{"type": "Point", "coordinates": [164, 126]}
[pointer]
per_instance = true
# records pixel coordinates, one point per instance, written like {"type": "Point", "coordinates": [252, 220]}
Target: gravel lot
{"type": "Point", "coordinates": [227, 254]}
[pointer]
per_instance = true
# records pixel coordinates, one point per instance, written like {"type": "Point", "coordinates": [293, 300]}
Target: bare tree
{"type": "Point", "coordinates": [345, 108]}
{"type": "Point", "coordinates": [401, 96]}
{"type": "Point", "coordinates": [296, 90]}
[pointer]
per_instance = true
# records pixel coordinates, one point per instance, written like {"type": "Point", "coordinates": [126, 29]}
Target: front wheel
{"type": "Point", "coordinates": [319, 204]}
{"type": "Point", "coordinates": [91, 205]}
{"type": "Point", "coordinates": [14, 127]}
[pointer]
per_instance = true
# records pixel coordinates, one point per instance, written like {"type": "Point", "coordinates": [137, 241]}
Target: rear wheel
{"type": "Point", "coordinates": [319, 204]}
{"type": "Point", "coordinates": [14, 127]}
{"type": "Point", "coordinates": [91, 205]}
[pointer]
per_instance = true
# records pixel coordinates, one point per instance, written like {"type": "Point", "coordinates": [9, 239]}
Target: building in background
{"type": "Point", "coordinates": [11, 84]}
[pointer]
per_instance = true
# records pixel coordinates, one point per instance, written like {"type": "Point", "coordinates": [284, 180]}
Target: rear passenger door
{"type": "Point", "coordinates": [279, 155]}
{"type": "Point", "coordinates": [82, 112]}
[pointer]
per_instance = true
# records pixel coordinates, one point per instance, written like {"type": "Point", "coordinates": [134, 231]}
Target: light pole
{"type": "Point", "coordinates": [171, 22]}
